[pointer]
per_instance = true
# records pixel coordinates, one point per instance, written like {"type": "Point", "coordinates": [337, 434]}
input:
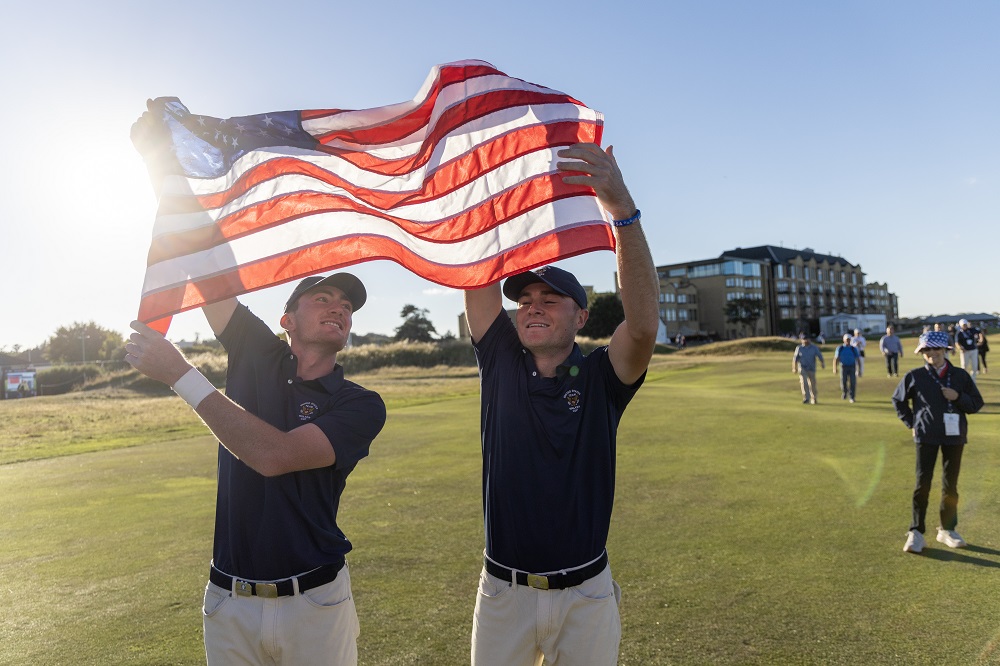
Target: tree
{"type": "Point", "coordinates": [606, 313]}
{"type": "Point", "coordinates": [85, 342]}
{"type": "Point", "coordinates": [416, 326]}
{"type": "Point", "coordinates": [745, 311]}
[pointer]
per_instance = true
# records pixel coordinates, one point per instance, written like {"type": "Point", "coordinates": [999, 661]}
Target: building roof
{"type": "Point", "coordinates": [954, 319]}
{"type": "Point", "coordinates": [781, 255]}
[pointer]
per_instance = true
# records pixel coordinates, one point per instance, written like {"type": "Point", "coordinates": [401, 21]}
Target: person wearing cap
{"type": "Point", "coordinates": [967, 341]}
{"type": "Point", "coordinates": [291, 429]}
{"type": "Point", "coordinates": [859, 342]}
{"type": "Point", "coordinates": [846, 356]}
{"type": "Point", "coordinates": [891, 347]}
{"type": "Point", "coordinates": [804, 363]}
{"type": "Point", "coordinates": [932, 401]}
{"type": "Point", "coordinates": [549, 421]}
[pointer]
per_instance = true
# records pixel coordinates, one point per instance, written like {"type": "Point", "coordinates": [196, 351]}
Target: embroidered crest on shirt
{"type": "Point", "coordinates": [572, 398]}
{"type": "Point", "coordinates": [307, 410]}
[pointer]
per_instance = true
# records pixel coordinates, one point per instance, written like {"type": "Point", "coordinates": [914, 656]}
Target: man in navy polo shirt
{"type": "Point", "coordinates": [967, 341]}
{"type": "Point", "coordinates": [549, 422]}
{"type": "Point", "coordinates": [291, 429]}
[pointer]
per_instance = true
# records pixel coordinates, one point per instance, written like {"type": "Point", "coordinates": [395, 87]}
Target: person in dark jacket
{"type": "Point", "coordinates": [932, 401]}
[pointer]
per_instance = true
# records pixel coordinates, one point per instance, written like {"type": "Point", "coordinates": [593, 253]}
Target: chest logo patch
{"type": "Point", "coordinates": [307, 410]}
{"type": "Point", "coordinates": [572, 398]}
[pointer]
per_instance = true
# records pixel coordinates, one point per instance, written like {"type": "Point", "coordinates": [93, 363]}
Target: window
{"type": "Point", "coordinates": [682, 315]}
{"type": "Point", "coordinates": [805, 272]}
{"type": "Point", "coordinates": [854, 278]}
{"type": "Point", "coordinates": [707, 270]}
{"type": "Point", "coordinates": [678, 272]}
{"type": "Point", "coordinates": [831, 275]}
{"type": "Point", "coordinates": [843, 276]}
{"type": "Point", "coordinates": [779, 271]}
{"type": "Point", "coordinates": [791, 272]}
{"type": "Point", "coordinates": [819, 274]}
{"type": "Point", "coordinates": [682, 298]}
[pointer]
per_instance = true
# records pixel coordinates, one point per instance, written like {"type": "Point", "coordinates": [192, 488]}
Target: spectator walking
{"type": "Point", "coordinates": [859, 342]}
{"type": "Point", "coordinates": [967, 341]}
{"type": "Point", "coordinates": [932, 401]}
{"type": "Point", "coordinates": [891, 347]}
{"type": "Point", "coordinates": [804, 363]}
{"type": "Point", "coordinates": [983, 346]}
{"type": "Point", "coordinates": [846, 356]}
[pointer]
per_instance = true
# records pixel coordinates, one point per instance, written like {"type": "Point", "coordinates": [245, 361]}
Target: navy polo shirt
{"type": "Point", "coordinates": [967, 339]}
{"type": "Point", "coordinates": [548, 452]}
{"type": "Point", "coordinates": [268, 528]}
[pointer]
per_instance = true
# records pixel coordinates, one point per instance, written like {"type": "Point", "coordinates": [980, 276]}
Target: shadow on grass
{"type": "Point", "coordinates": [961, 557]}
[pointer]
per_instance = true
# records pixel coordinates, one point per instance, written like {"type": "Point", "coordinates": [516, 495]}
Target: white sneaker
{"type": "Point", "coordinates": [950, 538]}
{"type": "Point", "coordinates": [914, 542]}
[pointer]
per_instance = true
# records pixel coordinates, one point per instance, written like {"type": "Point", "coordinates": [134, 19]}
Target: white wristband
{"type": "Point", "coordinates": [193, 387]}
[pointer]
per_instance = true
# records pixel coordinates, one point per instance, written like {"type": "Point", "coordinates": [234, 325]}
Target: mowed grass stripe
{"type": "Point", "coordinates": [748, 528]}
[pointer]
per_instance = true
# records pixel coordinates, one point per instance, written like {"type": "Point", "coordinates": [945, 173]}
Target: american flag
{"type": "Point", "coordinates": [458, 185]}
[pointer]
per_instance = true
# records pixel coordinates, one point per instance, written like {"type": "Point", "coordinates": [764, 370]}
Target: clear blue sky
{"type": "Point", "coordinates": [864, 129]}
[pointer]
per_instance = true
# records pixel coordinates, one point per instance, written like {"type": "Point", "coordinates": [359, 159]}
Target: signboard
{"type": "Point", "coordinates": [20, 384]}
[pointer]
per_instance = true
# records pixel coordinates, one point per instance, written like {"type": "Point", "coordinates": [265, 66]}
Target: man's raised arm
{"type": "Point", "coordinates": [633, 341]}
{"type": "Point", "coordinates": [481, 309]}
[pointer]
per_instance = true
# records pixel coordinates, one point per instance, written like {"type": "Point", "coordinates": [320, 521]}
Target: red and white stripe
{"type": "Point", "coordinates": [458, 185]}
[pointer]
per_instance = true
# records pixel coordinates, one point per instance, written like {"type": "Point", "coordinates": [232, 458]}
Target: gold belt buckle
{"type": "Point", "coordinates": [538, 582]}
{"type": "Point", "coordinates": [267, 590]}
{"type": "Point", "coordinates": [244, 589]}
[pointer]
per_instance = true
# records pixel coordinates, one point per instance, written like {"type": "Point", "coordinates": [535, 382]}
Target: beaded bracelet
{"type": "Point", "coordinates": [624, 223]}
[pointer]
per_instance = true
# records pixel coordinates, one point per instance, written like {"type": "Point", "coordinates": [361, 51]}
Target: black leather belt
{"type": "Point", "coordinates": [559, 581]}
{"type": "Point", "coordinates": [277, 588]}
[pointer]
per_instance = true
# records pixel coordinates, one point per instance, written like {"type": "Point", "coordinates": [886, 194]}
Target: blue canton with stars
{"type": "Point", "coordinates": [206, 147]}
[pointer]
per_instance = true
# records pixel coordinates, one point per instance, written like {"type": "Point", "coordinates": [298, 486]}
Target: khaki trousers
{"type": "Point", "coordinates": [318, 626]}
{"type": "Point", "coordinates": [519, 625]}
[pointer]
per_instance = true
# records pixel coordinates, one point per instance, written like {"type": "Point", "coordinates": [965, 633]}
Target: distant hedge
{"type": "Point", "coordinates": [412, 354]}
{"type": "Point", "coordinates": [422, 354]}
{"type": "Point", "coordinates": [60, 379]}
{"type": "Point", "coordinates": [363, 358]}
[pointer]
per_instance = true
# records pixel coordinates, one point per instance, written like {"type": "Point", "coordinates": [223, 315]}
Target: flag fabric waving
{"type": "Point", "coordinates": [458, 185]}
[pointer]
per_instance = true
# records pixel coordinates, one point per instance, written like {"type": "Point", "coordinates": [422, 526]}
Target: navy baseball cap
{"type": "Point", "coordinates": [346, 282]}
{"type": "Point", "coordinates": [562, 282]}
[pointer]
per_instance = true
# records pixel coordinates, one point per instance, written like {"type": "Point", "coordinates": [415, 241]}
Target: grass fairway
{"type": "Point", "coordinates": [748, 529]}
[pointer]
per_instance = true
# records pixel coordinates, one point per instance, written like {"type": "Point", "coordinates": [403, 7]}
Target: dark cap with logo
{"type": "Point", "coordinates": [562, 282]}
{"type": "Point", "coordinates": [346, 282]}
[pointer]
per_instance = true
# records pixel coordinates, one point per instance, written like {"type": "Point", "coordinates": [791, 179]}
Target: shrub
{"type": "Point", "coordinates": [64, 378]}
{"type": "Point", "coordinates": [415, 354]}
